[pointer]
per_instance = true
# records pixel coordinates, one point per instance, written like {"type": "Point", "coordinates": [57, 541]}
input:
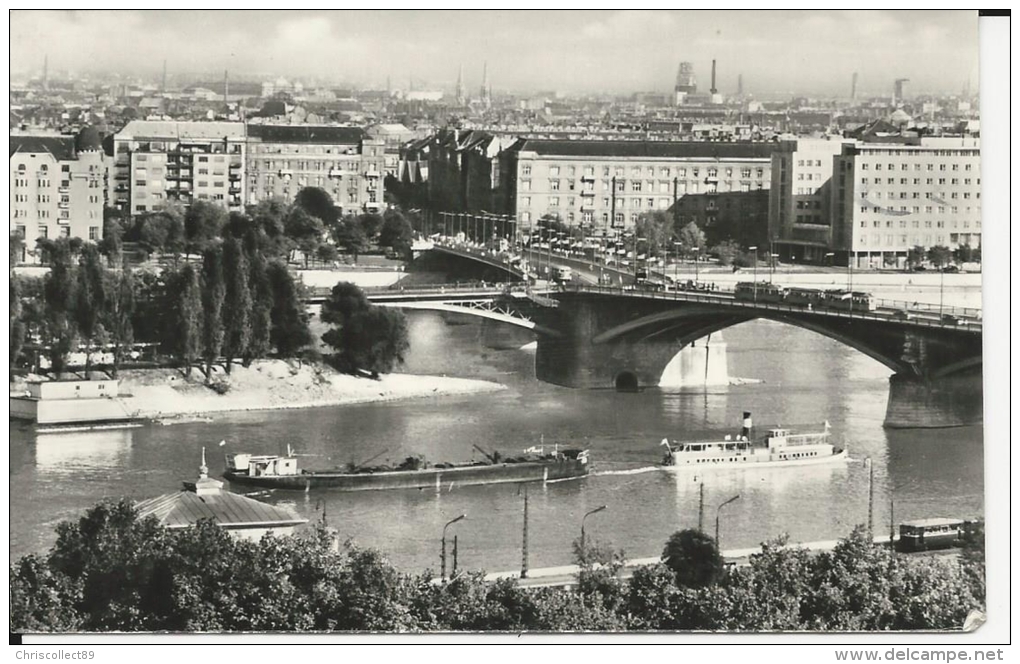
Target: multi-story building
{"type": "Point", "coordinates": [608, 184]}
{"type": "Point", "coordinates": [393, 136]}
{"type": "Point", "coordinates": [344, 161]}
{"type": "Point", "coordinates": [888, 198]}
{"type": "Point", "coordinates": [158, 162]}
{"type": "Point", "coordinates": [800, 200]}
{"type": "Point", "coordinates": [57, 188]}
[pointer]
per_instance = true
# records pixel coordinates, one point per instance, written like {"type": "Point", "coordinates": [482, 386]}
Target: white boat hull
{"type": "Point", "coordinates": [751, 462]}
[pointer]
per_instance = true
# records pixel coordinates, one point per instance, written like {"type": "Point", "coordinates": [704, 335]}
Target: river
{"type": "Point", "coordinates": [807, 379]}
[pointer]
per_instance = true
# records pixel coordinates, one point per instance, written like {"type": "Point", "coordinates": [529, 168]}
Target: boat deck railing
{"type": "Point", "coordinates": [798, 439]}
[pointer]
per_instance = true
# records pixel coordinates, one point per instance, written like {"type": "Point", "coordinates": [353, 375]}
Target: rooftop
{"type": "Point", "coordinates": [306, 134]}
{"type": "Point", "coordinates": [182, 130]}
{"type": "Point", "coordinates": [228, 510]}
{"type": "Point", "coordinates": [61, 147]}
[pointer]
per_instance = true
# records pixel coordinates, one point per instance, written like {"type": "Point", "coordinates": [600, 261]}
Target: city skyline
{"type": "Point", "coordinates": [796, 52]}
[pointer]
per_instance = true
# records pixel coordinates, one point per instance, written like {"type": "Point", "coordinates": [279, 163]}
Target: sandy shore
{"type": "Point", "coordinates": [278, 384]}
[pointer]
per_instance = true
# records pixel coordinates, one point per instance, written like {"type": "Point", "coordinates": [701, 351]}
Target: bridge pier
{"type": "Point", "coordinates": [948, 401]}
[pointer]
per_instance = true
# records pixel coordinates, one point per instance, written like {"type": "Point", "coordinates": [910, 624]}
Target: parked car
{"type": "Point", "coordinates": [950, 268]}
{"type": "Point", "coordinates": [950, 319]}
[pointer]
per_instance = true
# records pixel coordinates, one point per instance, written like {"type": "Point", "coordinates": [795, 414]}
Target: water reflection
{"type": "Point", "coordinates": [92, 451]}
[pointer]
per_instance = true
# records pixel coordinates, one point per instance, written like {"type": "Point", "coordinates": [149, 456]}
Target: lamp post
{"type": "Point", "coordinates": [697, 253]}
{"type": "Point", "coordinates": [717, 510]}
{"type": "Point", "coordinates": [442, 556]}
{"type": "Point", "coordinates": [772, 265]}
{"type": "Point", "coordinates": [676, 246]}
{"type": "Point", "coordinates": [594, 511]}
{"type": "Point", "coordinates": [755, 250]}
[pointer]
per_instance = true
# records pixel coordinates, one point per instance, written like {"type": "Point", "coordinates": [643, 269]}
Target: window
{"type": "Point", "coordinates": [554, 185]}
{"type": "Point", "coordinates": [635, 185]}
{"type": "Point", "coordinates": [554, 170]}
{"type": "Point", "coordinates": [554, 201]}
{"type": "Point", "coordinates": [526, 169]}
{"type": "Point", "coordinates": [525, 216]}
{"type": "Point", "coordinates": [93, 233]}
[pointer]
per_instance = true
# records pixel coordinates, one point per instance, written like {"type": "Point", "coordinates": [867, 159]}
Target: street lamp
{"type": "Point", "coordinates": [717, 509]}
{"type": "Point", "coordinates": [696, 251]}
{"type": "Point", "coordinates": [772, 265]}
{"type": "Point", "coordinates": [755, 250]}
{"type": "Point", "coordinates": [594, 511]}
{"type": "Point", "coordinates": [676, 246]}
{"type": "Point", "coordinates": [442, 557]}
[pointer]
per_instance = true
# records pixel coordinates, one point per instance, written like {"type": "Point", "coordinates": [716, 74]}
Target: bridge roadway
{"type": "Point", "coordinates": [900, 312]}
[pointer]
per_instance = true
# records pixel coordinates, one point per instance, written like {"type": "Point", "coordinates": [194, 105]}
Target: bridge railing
{"type": "Point", "coordinates": [726, 297]}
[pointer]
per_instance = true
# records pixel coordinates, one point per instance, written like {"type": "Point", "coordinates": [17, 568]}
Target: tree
{"type": "Point", "coordinates": [656, 228]}
{"type": "Point", "coordinates": [121, 309]}
{"type": "Point", "coordinates": [269, 216]}
{"type": "Point", "coordinates": [692, 237]}
{"type": "Point", "coordinates": [363, 336]}
{"type": "Point", "coordinates": [213, 294]}
{"type": "Point", "coordinates": [915, 256]}
{"type": "Point", "coordinates": [327, 253]}
{"type": "Point", "coordinates": [350, 235]}
{"type": "Point", "coordinates": [317, 203]}
{"type": "Point", "coordinates": [17, 248]}
{"type": "Point", "coordinates": [370, 223]}
{"type": "Point", "coordinates": [289, 332]}
{"type": "Point", "coordinates": [203, 223]}
{"type": "Point", "coordinates": [91, 301]}
{"type": "Point", "coordinates": [59, 297]}
{"type": "Point", "coordinates": [237, 302]}
{"type": "Point", "coordinates": [305, 231]}
{"type": "Point", "coordinates": [940, 256]}
{"type": "Point", "coordinates": [966, 254]}
{"type": "Point", "coordinates": [17, 331]}
{"type": "Point", "coordinates": [396, 232]}
{"type": "Point", "coordinates": [161, 231]}
{"type": "Point", "coordinates": [188, 316]}
{"type": "Point", "coordinates": [694, 558]}
{"type": "Point", "coordinates": [261, 307]}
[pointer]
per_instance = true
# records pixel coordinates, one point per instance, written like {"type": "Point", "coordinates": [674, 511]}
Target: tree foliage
{"type": "Point", "coordinates": [656, 228]}
{"type": "Point", "coordinates": [363, 337]}
{"type": "Point", "coordinates": [396, 232]}
{"type": "Point", "coordinates": [237, 302]}
{"type": "Point", "coordinates": [111, 571]}
{"type": "Point", "coordinates": [694, 558]}
{"type": "Point", "coordinates": [213, 293]}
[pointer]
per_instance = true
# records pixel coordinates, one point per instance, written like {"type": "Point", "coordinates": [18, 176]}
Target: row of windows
{"type": "Point", "coordinates": [902, 195]}
{"type": "Point", "coordinates": [589, 217]}
{"type": "Point", "coordinates": [637, 171]}
{"type": "Point", "coordinates": [941, 181]}
{"type": "Point", "coordinates": [906, 167]}
{"type": "Point", "coordinates": [928, 209]}
{"type": "Point", "coordinates": [912, 240]}
{"type": "Point", "coordinates": [554, 201]}
{"type": "Point", "coordinates": [917, 224]}
{"type": "Point", "coordinates": [65, 231]}
{"type": "Point", "coordinates": [907, 152]}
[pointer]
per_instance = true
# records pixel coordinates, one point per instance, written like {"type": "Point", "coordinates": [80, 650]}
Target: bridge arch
{"type": "Point", "coordinates": [480, 312]}
{"type": "Point", "coordinates": [690, 323]}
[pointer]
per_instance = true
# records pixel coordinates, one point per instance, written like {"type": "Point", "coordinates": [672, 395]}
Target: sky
{"type": "Point", "coordinates": [574, 51]}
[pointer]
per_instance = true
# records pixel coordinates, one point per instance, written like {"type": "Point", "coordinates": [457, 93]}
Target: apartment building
{"type": "Point", "coordinates": [57, 188]}
{"type": "Point", "coordinates": [158, 162]}
{"type": "Point", "coordinates": [344, 161]}
{"type": "Point", "coordinates": [800, 199]}
{"type": "Point", "coordinates": [607, 184]}
{"type": "Point", "coordinates": [887, 198]}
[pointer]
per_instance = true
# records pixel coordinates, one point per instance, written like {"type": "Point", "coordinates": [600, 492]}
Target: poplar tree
{"type": "Point", "coordinates": [213, 293]}
{"type": "Point", "coordinates": [189, 317]}
{"type": "Point", "coordinates": [119, 315]}
{"type": "Point", "coordinates": [91, 301]}
{"type": "Point", "coordinates": [289, 332]}
{"type": "Point", "coordinates": [261, 307]}
{"type": "Point", "coordinates": [237, 305]}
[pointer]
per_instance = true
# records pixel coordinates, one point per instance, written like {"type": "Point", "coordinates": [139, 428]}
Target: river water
{"type": "Point", "coordinates": [807, 379]}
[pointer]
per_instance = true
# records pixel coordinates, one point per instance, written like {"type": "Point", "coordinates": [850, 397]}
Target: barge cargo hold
{"type": "Point", "coordinates": [281, 472]}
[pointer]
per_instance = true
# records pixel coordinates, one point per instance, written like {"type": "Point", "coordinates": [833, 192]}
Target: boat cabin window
{"type": "Point", "coordinates": [778, 433]}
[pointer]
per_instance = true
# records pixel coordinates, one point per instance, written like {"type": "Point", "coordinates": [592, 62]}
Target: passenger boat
{"type": "Point", "coordinates": [282, 472]}
{"type": "Point", "coordinates": [779, 447]}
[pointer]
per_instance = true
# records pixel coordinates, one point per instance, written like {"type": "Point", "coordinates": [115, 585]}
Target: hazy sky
{"type": "Point", "coordinates": [577, 51]}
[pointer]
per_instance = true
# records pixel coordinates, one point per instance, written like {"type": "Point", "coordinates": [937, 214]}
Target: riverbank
{"type": "Point", "coordinates": [273, 385]}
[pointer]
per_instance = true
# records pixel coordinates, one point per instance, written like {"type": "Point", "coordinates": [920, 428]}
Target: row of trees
{"type": "Point", "coordinates": [312, 224]}
{"type": "Point", "coordinates": [79, 304]}
{"type": "Point", "coordinates": [941, 256]}
{"type": "Point", "coordinates": [235, 303]}
{"type": "Point", "coordinates": [110, 571]}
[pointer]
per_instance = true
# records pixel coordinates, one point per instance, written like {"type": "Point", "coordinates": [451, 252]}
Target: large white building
{"type": "Point", "coordinates": [158, 162]}
{"type": "Point", "coordinates": [57, 188]}
{"type": "Point", "coordinates": [888, 198]}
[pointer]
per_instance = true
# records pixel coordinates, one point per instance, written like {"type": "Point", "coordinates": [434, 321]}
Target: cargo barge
{"type": "Point", "coordinates": [283, 472]}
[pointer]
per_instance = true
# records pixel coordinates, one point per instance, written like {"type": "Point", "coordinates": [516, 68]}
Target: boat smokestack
{"type": "Point", "coordinates": [745, 432]}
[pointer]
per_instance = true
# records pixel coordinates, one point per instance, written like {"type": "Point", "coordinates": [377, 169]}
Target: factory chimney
{"type": "Point", "coordinates": [712, 89]}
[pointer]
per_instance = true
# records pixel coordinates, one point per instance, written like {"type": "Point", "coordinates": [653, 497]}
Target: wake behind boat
{"type": "Point", "coordinates": [779, 447]}
{"type": "Point", "coordinates": [282, 472]}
